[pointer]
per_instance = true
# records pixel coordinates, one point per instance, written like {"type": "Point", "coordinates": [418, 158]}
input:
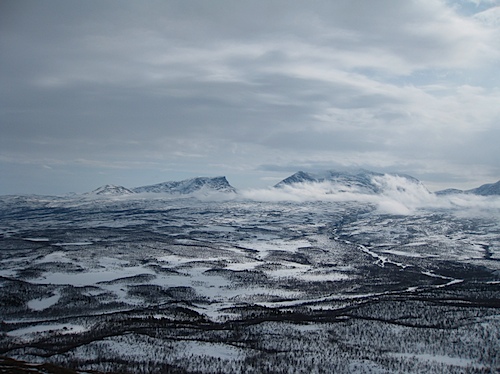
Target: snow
{"type": "Point", "coordinates": [381, 260]}
{"type": "Point", "coordinates": [211, 286]}
{"type": "Point", "coordinates": [240, 255]}
{"type": "Point", "coordinates": [217, 350]}
{"type": "Point", "coordinates": [42, 304]}
{"type": "Point", "coordinates": [57, 256]}
{"type": "Point", "coordinates": [448, 360]}
{"type": "Point", "coordinates": [323, 277]}
{"type": "Point", "coordinates": [91, 277]}
{"type": "Point", "coordinates": [218, 228]}
{"type": "Point", "coordinates": [304, 272]}
{"type": "Point", "coordinates": [8, 273]}
{"type": "Point", "coordinates": [64, 328]}
{"type": "Point", "coordinates": [240, 266]}
{"type": "Point", "coordinates": [307, 327]}
{"type": "Point", "coordinates": [112, 262]}
{"type": "Point", "coordinates": [415, 244]}
{"type": "Point", "coordinates": [407, 254]}
{"type": "Point", "coordinates": [268, 243]}
{"type": "Point", "coordinates": [450, 283]}
{"type": "Point", "coordinates": [37, 239]}
{"type": "Point", "coordinates": [175, 260]}
{"type": "Point", "coordinates": [121, 293]}
{"type": "Point", "coordinates": [432, 275]}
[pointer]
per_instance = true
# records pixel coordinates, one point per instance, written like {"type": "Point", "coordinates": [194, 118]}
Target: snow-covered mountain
{"type": "Point", "coordinates": [449, 191]}
{"type": "Point", "coordinates": [111, 190]}
{"type": "Point", "coordinates": [184, 187]}
{"type": "Point", "coordinates": [488, 189]}
{"type": "Point", "coordinates": [360, 181]}
{"type": "Point", "coordinates": [188, 186]}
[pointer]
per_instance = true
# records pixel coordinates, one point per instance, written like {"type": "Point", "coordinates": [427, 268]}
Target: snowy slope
{"type": "Point", "coordinates": [489, 189]}
{"type": "Point", "coordinates": [361, 181]}
{"type": "Point", "coordinates": [111, 190]}
{"type": "Point", "coordinates": [450, 191]}
{"type": "Point", "coordinates": [188, 186]}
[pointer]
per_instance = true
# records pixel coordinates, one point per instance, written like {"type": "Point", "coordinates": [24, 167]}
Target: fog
{"type": "Point", "coordinates": [398, 196]}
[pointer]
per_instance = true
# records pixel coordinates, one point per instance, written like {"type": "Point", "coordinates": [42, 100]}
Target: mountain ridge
{"type": "Point", "coordinates": [356, 181]}
{"type": "Point", "coordinates": [183, 187]}
{"type": "Point", "coordinates": [111, 190]}
{"type": "Point", "coordinates": [364, 180]}
{"type": "Point", "coordinates": [488, 189]}
{"type": "Point", "coordinates": [188, 186]}
{"type": "Point", "coordinates": [361, 181]}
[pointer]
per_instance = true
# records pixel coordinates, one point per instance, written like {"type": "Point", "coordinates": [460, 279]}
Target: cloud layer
{"type": "Point", "coordinates": [398, 196]}
{"type": "Point", "coordinates": [139, 93]}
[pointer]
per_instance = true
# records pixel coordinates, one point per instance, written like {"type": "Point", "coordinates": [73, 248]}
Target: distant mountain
{"type": "Point", "coordinates": [299, 177]}
{"type": "Point", "coordinates": [188, 186]}
{"type": "Point", "coordinates": [450, 191]}
{"type": "Point", "coordinates": [361, 181]}
{"type": "Point", "coordinates": [112, 190]}
{"type": "Point", "coordinates": [488, 189]}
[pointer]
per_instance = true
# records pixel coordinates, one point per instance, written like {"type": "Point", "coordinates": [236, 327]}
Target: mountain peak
{"type": "Point", "coordinates": [298, 177]}
{"type": "Point", "coordinates": [188, 186]}
{"type": "Point", "coordinates": [112, 190]}
{"type": "Point", "coordinates": [486, 189]}
{"type": "Point", "coordinates": [361, 181]}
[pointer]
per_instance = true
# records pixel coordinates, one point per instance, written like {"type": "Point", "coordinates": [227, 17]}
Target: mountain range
{"type": "Point", "coordinates": [188, 186]}
{"type": "Point", "coordinates": [184, 187]}
{"type": "Point", "coordinates": [111, 190]}
{"type": "Point", "coordinates": [484, 190]}
{"type": "Point", "coordinates": [360, 181]}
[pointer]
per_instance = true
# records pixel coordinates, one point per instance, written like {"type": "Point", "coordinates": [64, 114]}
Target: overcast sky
{"type": "Point", "coordinates": [140, 92]}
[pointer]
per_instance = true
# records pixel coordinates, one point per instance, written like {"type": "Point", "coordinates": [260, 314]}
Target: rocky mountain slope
{"type": "Point", "coordinates": [184, 187]}
{"type": "Point", "coordinates": [111, 190]}
{"type": "Point", "coordinates": [360, 181]}
{"type": "Point", "coordinates": [489, 189]}
{"type": "Point", "coordinates": [188, 186]}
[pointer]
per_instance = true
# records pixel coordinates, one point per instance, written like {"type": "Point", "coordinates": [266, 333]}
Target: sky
{"type": "Point", "coordinates": [141, 92]}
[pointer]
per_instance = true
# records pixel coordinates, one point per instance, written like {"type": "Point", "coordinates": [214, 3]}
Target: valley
{"type": "Point", "coordinates": [175, 284]}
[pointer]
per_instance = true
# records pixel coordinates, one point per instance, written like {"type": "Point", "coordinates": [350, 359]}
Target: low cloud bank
{"type": "Point", "coordinates": [398, 195]}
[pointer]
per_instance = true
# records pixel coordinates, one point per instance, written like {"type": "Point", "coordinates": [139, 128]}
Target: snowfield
{"type": "Point", "coordinates": [155, 284]}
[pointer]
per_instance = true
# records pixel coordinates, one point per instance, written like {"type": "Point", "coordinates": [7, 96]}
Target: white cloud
{"type": "Point", "coordinates": [398, 196]}
{"type": "Point", "coordinates": [480, 2]}
{"type": "Point", "coordinates": [242, 84]}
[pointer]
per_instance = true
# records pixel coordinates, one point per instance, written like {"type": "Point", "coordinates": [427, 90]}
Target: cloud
{"type": "Point", "coordinates": [398, 196]}
{"type": "Point", "coordinates": [408, 83]}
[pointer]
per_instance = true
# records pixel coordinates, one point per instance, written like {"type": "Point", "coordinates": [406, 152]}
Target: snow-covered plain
{"type": "Point", "coordinates": [285, 285]}
{"type": "Point", "coordinates": [44, 303]}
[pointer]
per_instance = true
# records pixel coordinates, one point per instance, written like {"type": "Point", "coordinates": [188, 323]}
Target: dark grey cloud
{"type": "Point", "coordinates": [157, 90]}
